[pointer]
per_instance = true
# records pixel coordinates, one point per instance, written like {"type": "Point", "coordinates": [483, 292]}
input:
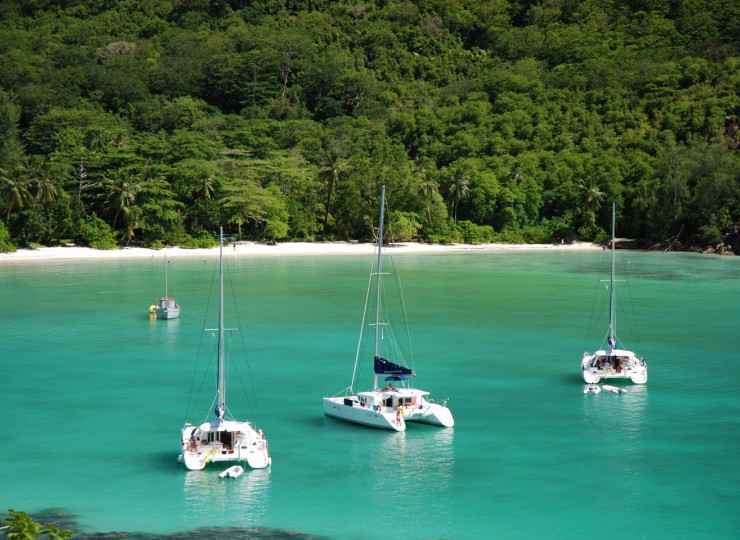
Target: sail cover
{"type": "Point", "coordinates": [384, 367]}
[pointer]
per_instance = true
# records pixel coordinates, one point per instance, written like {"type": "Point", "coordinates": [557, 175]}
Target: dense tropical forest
{"type": "Point", "coordinates": [154, 121]}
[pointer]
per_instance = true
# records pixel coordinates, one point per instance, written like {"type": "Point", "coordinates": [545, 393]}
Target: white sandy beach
{"type": "Point", "coordinates": [280, 249]}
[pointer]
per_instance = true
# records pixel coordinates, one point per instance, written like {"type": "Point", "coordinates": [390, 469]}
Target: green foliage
{"type": "Point", "coordinates": [95, 233]}
{"type": "Point", "coordinates": [468, 232]}
{"type": "Point", "coordinates": [21, 526]}
{"type": "Point", "coordinates": [528, 118]}
{"type": "Point", "coordinates": [6, 246]}
{"type": "Point", "coordinates": [203, 241]}
{"type": "Point", "coordinates": [404, 226]}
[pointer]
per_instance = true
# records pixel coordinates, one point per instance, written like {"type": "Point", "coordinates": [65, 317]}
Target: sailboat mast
{"type": "Point", "coordinates": [221, 391]}
{"type": "Point", "coordinates": [380, 270]}
{"type": "Point", "coordinates": [166, 293]}
{"type": "Point", "coordinates": [378, 278]}
{"type": "Point", "coordinates": [612, 319]}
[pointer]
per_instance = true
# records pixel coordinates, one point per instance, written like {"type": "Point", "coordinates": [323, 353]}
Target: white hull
{"type": "Point", "coordinates": [167, 309]}
{"type": "Point", "coordinates": [616, 364]}
{"type": "Point", "coordinates": [225, 442]}
{"type": "Point", "coordinates": [614, 389]}
{"type": "Point", "coordinates": [235, 471]}
{"type": "Point", "coordinates": [431, 413]}
{"type": "Point", "coordinates": [397, 406]}
{"type": "Point", "coordinates": [349, 409]}
{"type": "Point", "coordinates": [592, 389]}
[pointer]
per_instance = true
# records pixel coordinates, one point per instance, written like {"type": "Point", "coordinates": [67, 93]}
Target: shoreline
{"type": "Point", "coordinates": [287, 249]}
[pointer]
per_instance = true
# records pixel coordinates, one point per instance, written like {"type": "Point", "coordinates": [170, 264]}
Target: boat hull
{"type": "Point", "coordinates": [223, 442]}
{"type": "Point", "coordinates": [431, 413]}
{"type": "Point", "coordinates": [235, 471]}
{"type": "Point", "coordinates": [167, 308]}
{"type": "Point", "coordinates": [350, 410]}
{"type": "Point", "coordinates": [614, 389]}
{"type": "Point", "coordinates": [613, 365]}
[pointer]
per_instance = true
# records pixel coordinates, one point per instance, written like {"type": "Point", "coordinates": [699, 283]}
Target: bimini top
{"type": "Point", "coordinates": [384, 367]}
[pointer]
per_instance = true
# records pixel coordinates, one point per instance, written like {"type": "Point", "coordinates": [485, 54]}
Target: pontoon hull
{"type": "Point", "coordinates": [631, 368]}
{"type": "Point", "coordinates": [338, 407]}
{"type": "Point", "coordinates": [227, 442]}
{"type": "Point", "coordinates": [431, 413]}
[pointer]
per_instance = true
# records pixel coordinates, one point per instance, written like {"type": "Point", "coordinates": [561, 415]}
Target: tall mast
{"type": "Point", "coordinates": [166, 294]}
{"type": "Point", "coordinates": [377, 280]}
{"type": "Point", "coordinates": [220, 390]}
{"type": "Point", "coordinates": [612, 318]}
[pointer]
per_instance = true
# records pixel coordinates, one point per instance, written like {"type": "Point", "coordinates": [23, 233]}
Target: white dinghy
{"type": "Point", "coordinates": [235, 471]}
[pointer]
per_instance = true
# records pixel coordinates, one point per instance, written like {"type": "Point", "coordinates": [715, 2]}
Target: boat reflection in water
{"type": "Point", "coordinates": [247, 495]}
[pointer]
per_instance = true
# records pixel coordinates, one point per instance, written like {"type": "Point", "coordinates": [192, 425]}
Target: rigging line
{"type": "Point", "coordinates": [592, 325]}
{"type": "Point", "coordinates": [169, 286]}
{"type": "Point", "coordinates": [399, 288]}
{"type": "Point", "coordinates": [192, 401]}
{"type": "Point", "coordinates": [253, 402]}
{"type": "Point", "coordinates": [362, 327]}
{"type": "Point", "coordinates": [203, 382]}
{"type": "Point", "coordinates": [402, 300]}
{"type": "Point", "coordinates": [633, 320]}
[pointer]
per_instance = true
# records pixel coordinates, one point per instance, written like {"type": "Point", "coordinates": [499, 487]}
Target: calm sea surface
{"type": "Point", "coordinates": [93, 394]}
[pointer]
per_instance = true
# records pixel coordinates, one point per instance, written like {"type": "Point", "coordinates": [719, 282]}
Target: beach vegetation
{"type": "Point", "coordinates": [95, 233]}
{"type": "Point", "coordinates": [521, 121]}
{"type": "Point", "coordinates": [6, 245]}
{"type": "Point", "coordinates": [22, 526]}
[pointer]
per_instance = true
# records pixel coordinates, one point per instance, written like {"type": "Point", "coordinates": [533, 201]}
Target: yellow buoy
{"type": "Point", "coordinates": [152, 308]}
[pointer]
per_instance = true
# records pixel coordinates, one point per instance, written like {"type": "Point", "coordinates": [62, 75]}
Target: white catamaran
{"type": "Point", "coordinates": [392, 406]}
{"type": "Point", "coordinates": [166, 308]}
{"type": "Point", "coordinates": [223, 440]}
{"type": "Point", "coordinates": [613, 362]}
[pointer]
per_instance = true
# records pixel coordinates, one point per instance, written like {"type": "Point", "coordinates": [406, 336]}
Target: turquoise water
{"type": "Point", "coordinates": [93, 394]}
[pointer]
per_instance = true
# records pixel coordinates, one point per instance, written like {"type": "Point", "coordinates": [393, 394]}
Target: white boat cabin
{"type": "Point", "coordinates": [396, 398]}
{"type": "Point", "coordinates": [613, 361]}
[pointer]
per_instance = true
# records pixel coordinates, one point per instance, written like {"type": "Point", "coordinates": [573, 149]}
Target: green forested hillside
{"type": "Point", "coordinates": [154, 121]}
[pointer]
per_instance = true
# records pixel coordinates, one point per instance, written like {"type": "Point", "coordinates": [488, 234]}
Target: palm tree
{"type": "Point", "coordinates": [332, 167]}
{"type": "Point", "coordinates": [459, 189]}
{"type": "Point", "coordinates": [14, 190]}
{"type": "Point", "coordinates": [121, 193]}
{"type": "Point", "coordinates": [591, 197]}
{"type": "Point", "coordinates": [205, 186]}
{"type": "Point", "coordinates": [46, 190]}
{"type": "Point", "coordinates": [132, 217]}
{"type": "Point", "coordinates": [428, 188]}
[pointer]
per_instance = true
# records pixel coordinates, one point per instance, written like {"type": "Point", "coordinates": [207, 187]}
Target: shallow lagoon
{"type": "Point", "coordinates": [94, 393]}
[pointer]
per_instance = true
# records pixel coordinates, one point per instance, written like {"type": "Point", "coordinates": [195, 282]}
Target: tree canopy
{"type": "Point", "coordinates": [505, 120]}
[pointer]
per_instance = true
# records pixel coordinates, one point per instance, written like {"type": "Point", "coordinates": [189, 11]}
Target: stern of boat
{"type": "Point", "coordinates": [432, 413]}
{"type": "Point", "coordinates": [640, 375]}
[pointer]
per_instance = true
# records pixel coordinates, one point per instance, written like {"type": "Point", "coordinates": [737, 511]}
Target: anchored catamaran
{"type": "Point", "coordinates": [613, 362]}
{"type": "Point", "coordinates": [389, 407]}
{"type": "Point", "coordinates": [222, 440]}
